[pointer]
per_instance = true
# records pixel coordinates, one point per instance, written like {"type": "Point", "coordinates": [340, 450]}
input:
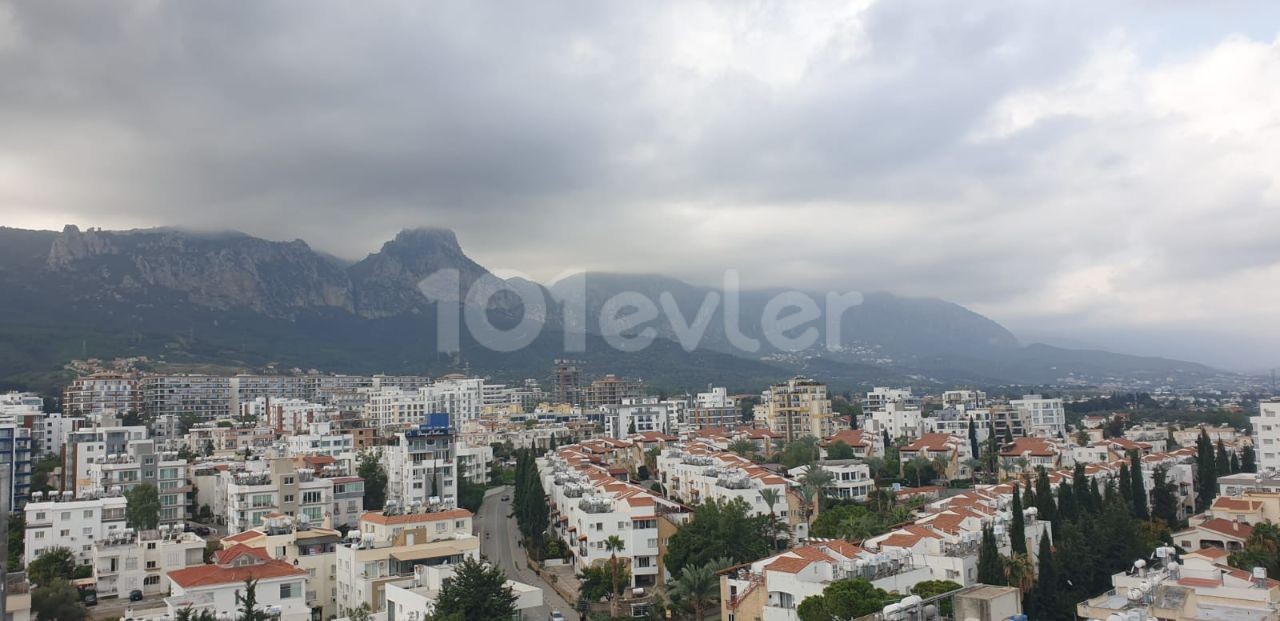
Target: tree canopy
{"type": "Point", "coordinates": [845, 599]}
{"type": "Point", "coordinates": [477, 591]}
{"type": "Point", "coordinates": [143, 509]}
{"type": "Point", "coordinates": [719, 530]}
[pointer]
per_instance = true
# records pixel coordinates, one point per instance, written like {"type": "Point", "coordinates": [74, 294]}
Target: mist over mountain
{"type": "Point", "coordinates": [240, 301]}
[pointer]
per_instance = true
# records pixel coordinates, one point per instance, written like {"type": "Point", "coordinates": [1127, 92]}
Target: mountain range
{"type": "Point", "coordinates": [234, 300]}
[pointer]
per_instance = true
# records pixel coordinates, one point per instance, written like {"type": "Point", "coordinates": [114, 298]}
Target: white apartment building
{"type": "Point", "coordinates": [311, 548]}
{"type": "Point", "coordinates": [956, 422]}
{"type": "Point", "coordinates": [850, 478]}
{"type": "Point", "coordinates": [964, 400]}
{"type": "Point", "coordinates": [647, 416]}
{"type": "Point", "coordinates": [102, 392]}
{"type": "Point", "coordinates": [395, 408]}
{"type": "Point", "coordinates": [69, 523]}
{"type": "Point", "coordinates": [140, 463]}
{"type": "Point", "coordinates": [125, 561]}
{"type": "Point", "coordinates": [1042, 415]}
{"type": "Point", "coordinates": [1266, 432]}
{"type": "Point", "coordinates": [899, 420]}
{"type": "Point", "coordinates": [273, 487]}
{"type": "Point", "coordinates": [389, 546]}
{"type": "Point", "coordinates": [209, 397]}
{"type": "Point", "coordinates": [56, 429]}
{"type": "Point", "coordinates": [90, 444]}
{"type": "Point", "coordinates": [473, 463]}
{"type": "Point", "coordinates": [319, 438]}
{"type": "Point", "coordinates": [1191, 587]}
{"type": "Point", "coordinates": [281, 586]}
{"type": "Point", "coordinates": [421, 465]}
{"type": "Point", "coordinates": [589, 506]}
{"type": "Point", "coordinates": [286, 416]}
{"type": "Point", "coordinates": [461, 397]}
{"type": "Point", "coordinates": [881, 396]}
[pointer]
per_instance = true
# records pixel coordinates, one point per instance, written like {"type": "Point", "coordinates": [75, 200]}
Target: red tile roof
{"type": "Point", "coordinates": [212, 575]}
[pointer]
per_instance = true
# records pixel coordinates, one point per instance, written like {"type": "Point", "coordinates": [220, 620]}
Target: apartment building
{"type": "Point", "coordinates": [274, 486]}
{"type": "Point", "coordinates": [140, 463]}
{"type": "Point", "coordinates": [388, 546]}
{"type": "Point", "coordinates": [946, 449]}
{"type": "Point", "coordinates": [1266, 432]}
{"type": "Point", "coordinates": [641, 416]}
{"type": "Point", "coordinates": [460, 396]}
{"type": "Point", "coordinates": [964, 400]}
{"type": "Point", "coordinates": [286, 416]}
{"type": "Point", "coordinates": [881, 396]}
{"type": "Point", "coordinates": [956, 422]}
{"type": "Point", "coordinates": [208, 397]}
{"type": "Point", "coordinates": [281, 586]}
{"type": "Point", "coordinates": [896, 419]}
{"type": "Point", "coordinates": [796, 408]}
{"type": "Point", "coordinates": [310, 547]}
{"type": "Point", "coordinates": [1190, 587]}
{"type": "Point", "coordinates": [63, 521]}
{"type": "Point", "coordinates": [54, 430]}
{"type": "Point", "coordinates": [1041, 415]}
{"type": "Point", "coordinates": [850, 478]}
{"type": "Point", "coordinates": [246, 388]}
{"type": "Point", "coordinates": [248, 438]}
{"type": "Point", "coordinates": [421, 464]}
{"type": "Point", "coordinates": [89, 444]}
{"type": "Point", "coordinates": [589, 505]}
{"type": "Point", "coordinates": [102, 392]}
{"type": "Point", "coordinates": [15, 457]}
{"type": "Point", "coordinates": [611, 390]}
{"type": "Point", "coordinates": [395, 408]}
{"type": "Point", "coordinates": [319, 438]}
{"type": "Point", "coordinates": [125, 561]}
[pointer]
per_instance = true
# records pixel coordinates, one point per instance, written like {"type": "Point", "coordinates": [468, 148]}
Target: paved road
{"type": "Point", "coordinates": [502, 547]}
{"type": "Point", "coordinates": [119, 607]}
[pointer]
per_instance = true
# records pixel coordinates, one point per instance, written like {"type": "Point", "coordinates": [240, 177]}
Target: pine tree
{"type": "Point", "coordinates": [1139, 495]}
{"type": "Point", "coordinates": [990, 563]}
{"type": "Point", "coordinates": [1017, 527]}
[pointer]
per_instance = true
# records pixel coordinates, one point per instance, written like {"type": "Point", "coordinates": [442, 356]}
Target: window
{"type": "Point", "coordinates": [151, 580]}
{"type": "Point", "coordinates": [289, 590]}
{"type": "Point", "coordinates": [88, 513]}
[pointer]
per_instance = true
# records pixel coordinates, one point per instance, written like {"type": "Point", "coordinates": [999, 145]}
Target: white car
{"type": "Point", "coordinates": [556, 615]}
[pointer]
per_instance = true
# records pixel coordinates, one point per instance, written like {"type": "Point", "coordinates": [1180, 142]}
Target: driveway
{"type": "Point", "coordinates": [502, 547]}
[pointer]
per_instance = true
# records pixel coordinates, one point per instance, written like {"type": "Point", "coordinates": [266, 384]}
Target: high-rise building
{"type": "Point", "coordinates": [1041, 415]}
{"type": "Point", "coordinates": [566, 382]}
{"type": "Point", "coordinates": [796, 408]}
{"type": "Point", "coordinates": [102, 392]}
{"type": "Point", "coordinates": [206, 396]}
{"type": "Point", "coordinates": [1266, 435]}
{"type": "Point", "coordinates": [612, 390]}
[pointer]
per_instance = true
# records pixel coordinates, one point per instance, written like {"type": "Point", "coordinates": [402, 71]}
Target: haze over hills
{"type": "Point", "coordinates": [237, 300]}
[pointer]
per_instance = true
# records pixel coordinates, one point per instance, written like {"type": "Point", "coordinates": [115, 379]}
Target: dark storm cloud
{"type": "Point", "coordinates": [1040, 163]}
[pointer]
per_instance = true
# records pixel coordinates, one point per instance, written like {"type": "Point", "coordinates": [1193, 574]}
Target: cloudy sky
{"type": "Point", "coordinates": [1099, 173]}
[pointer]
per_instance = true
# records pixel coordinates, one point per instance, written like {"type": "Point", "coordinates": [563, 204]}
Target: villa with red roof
{"type": "Point", "coordinates": [281, 586]}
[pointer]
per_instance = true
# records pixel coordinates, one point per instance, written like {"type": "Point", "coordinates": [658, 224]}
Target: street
{"type": "Point", "coordinates": [502, 548]}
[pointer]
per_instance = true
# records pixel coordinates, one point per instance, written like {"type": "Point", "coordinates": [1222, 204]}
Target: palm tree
{"type": "Point", "coordinates": [614, 545]}
{"type": "Point", "coordinates": [742, 447]}
{"type": "Point", "coordinates": [1019, 572]}
{"type": "Point", "coordinates": [918, 464]}
{"type": "Point", "coordinates": [973, 465]}
{"type": "Point", "coordinates": [817, 478]}
{"type": "Point", "coordinates": [771, 496]}
{"type": "Point", "coordinates": [940, 466]}
{"type": "Point", "coordinates": [698, 586]}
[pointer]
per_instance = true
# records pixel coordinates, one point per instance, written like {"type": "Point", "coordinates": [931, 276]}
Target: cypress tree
{"type": "Point", "coordinates": [1126, 486]}
{"type": "Point", "coordinates": [1008, 435]}
{"type": "Point", "coordinates": [1096, 500]}
{"type": "Point", "coordinates": [1140, 510]}
{"type": "Point", "coordinates": [1017, 527]}
{"type": "Point", "coordinates": [1044, 496]}
{"type": "Point", "coordinates": [1066, 504]}
{"type": "Point", "coordinates": [1080, 483]}
{"type": "Point", "coordinates": [1206, 472]}
{"type": "Point", "coordinates": [1045, 593]}
{"type": "Point", "coordinates": [1235, 463]}
{"type": "Point", "coordinates": [1222, 460]}
{"type": "Point", "coordinates": [990, 563]}
{"type": "Point", "coordinates": [973, 439]}
{"type": "Point", "coordinates": [1249, 460]}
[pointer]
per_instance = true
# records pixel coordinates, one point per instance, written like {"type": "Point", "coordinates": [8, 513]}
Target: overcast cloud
{"type": "Point", "coordinates": [1074, 170]}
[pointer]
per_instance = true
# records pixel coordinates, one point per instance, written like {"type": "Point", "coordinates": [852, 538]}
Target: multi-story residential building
{"type": "Point", "coordinates": [797, 408]}
{"type": "Point", "coordinates": [473, 463]}
{"type": "Point", "coordinates": [281, 586]}
{"type": "Point", "coordinates": [896, 419]}
{"type": "Point", "coordinates": [640, 416]}
{"type": "Point", "coordinates": [566, 382]}
{"type": "Point", "coordinates": [1007, 421]}
{"type": "Point", "coordinates": [57, 427]}
{"type": "Point", "coordinates": [458, 395]}
{"type": "Point", "coordinates": [140, 463]}
{"type": "Point", "coordinates": [310, 547]}
{"type": "Point", "coordinates": [246, 388]}
{"type": "Point", "coordinates": [612, 390]}
{"type": "Point", "coordinates": [956, 422]}
{"type": "Point", "coordinates": [589, 505]}
{"type": "Point", "coordinates": [1266, 432]}
{"type": "Point", "coordinates": [1041, 415]}
{"type": "Point", "coordinates": [125, 561]}
{"type": "Point", "coordinates": [850, 478]}
{"type": "Point", "coordinates": [319, 439]}
{"type": "Point", "coordinates": [208, 397]}
{"type": "Point", "coordinates": [90, 444]}
{"type": "Point", "coordinates": [245, 439]}
{"type": "Point", "coordinates": [1191, 587]}
{"type": "Point", "coordinates": [102, 392]}
{"type": "Point", "coordinates": [338, 390]}
{"type": "Point", "coordinates": [880, 397]}
{"type": "Point", "coordinates": [415, 598]}
{"type": "Point", "coordinates": [63, 521]}
{"type": "Point", "coordinates": [421, 464]}
{"type": "Point", "coordinates": [20, 405]}
{"type": "Point", "coordinates": [964, 400]}
{"type": "Point", "coordinates": [279, 487]}
{"type": "Point", "coordinates": [388, 546]}
{"type": "Point", "coordinates": [286, 416]}
{"type": "Point", "coordinates": [712, 409]}
{"type": "Point", "coordinates": [15, 458]}
{"type": "Point", "coordinates": [395, 408]}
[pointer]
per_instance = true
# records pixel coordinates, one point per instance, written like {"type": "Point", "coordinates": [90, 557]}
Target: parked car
{"type": "Point", "coordinates": [506, 498]}
{"type": "Point", "coordinates": [556, 615]}
{"type": "Point", "coordinates": [135, 595]}
{"type": "Point", "coordinates": [202, 531]}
